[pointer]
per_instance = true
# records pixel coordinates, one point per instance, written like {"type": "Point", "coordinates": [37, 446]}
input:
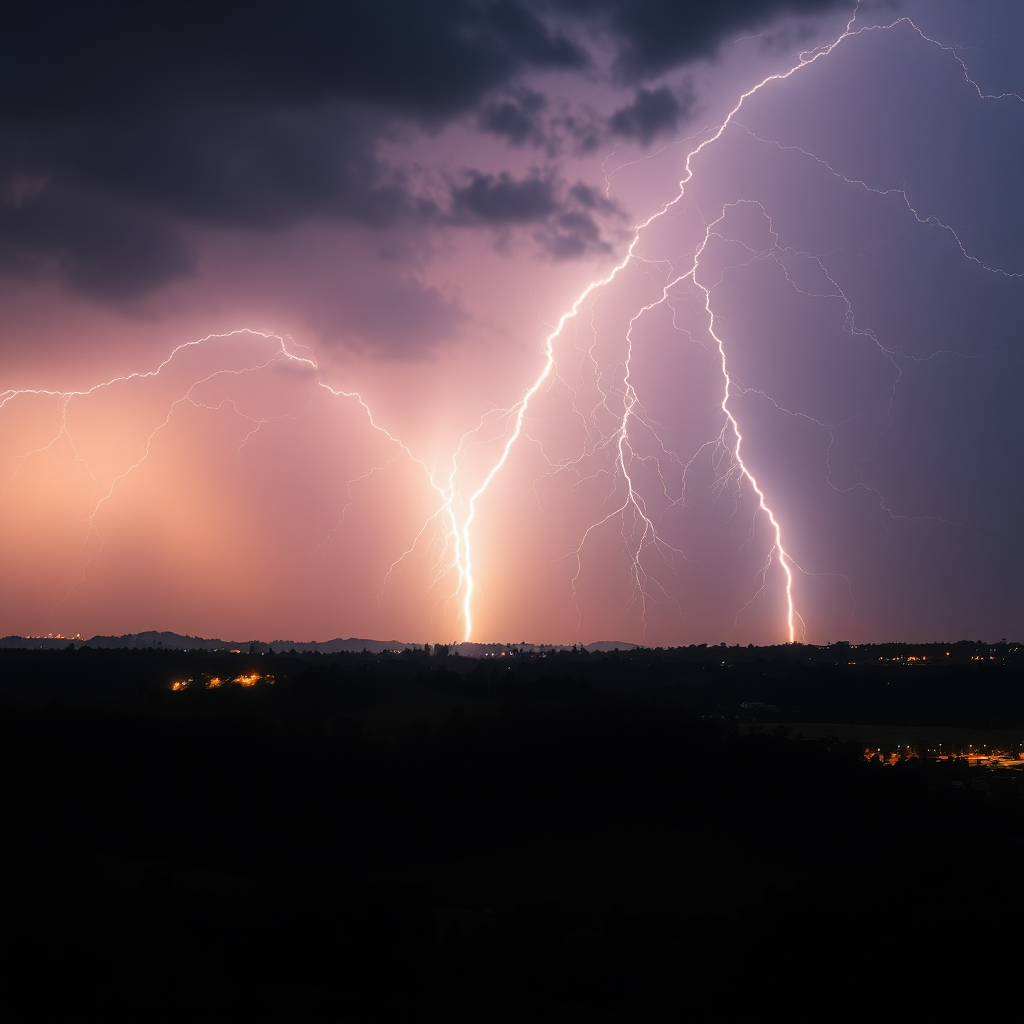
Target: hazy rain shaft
{"type": "Point", "coordinates": [664, 323]}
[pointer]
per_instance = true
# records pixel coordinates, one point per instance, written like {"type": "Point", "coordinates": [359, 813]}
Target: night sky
{"type": "Point", "coordinates": [334, 319]}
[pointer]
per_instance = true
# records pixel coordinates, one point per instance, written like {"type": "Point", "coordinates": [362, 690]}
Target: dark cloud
{"type": "Point", "coordinates": [515, 119]}
{"type": "Point", "coordinates": [69, 62]}
{"type": "Point", "coordinates": [567, 219]}
{"type": "Point", "coordinates": [105, 248]}
{"type": "Point", "coordinates": [527, 35]}
{"type": "Point", "coordinates": [147, 119]}
{"type": "Point", "coordinates": [652, 112]}
{"type": "Point", "coordinates": [586, 131]}
{"type": "Point", "coordinates": [573, 233]}
{"type": "Point", "coordinates": [111, 215]}
{"type": "Point", "coordinates": [653, 36]}
{"type": "Point", "coordinates": [239, 114]}
{"type": "Point", "coordinates": [592, 199]}
{"type": "Point", "coordinates": [265, 171]}
{"type": "Point", "coordinates": [575, 230]}
{"type": "Point", "coordinates": [501, 199]}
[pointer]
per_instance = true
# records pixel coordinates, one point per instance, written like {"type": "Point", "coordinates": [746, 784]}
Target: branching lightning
{"type": "Point", "coordinates": [448, 530]}
{"type": "Point", "coordinates": [632, 500]}
{"type": "Point", "coordinates": [280, 352]}
{"type": "Point", "coordinates": [633, 503]}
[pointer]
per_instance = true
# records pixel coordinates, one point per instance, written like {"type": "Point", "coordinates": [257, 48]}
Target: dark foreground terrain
{"type": "Point", "coordinates": [629, 836]}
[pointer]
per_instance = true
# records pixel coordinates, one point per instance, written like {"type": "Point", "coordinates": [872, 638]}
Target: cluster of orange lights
{"type": "Point", "coordinates": [994, 757]}
{"type": "Point", "coordinates": [212, 682]}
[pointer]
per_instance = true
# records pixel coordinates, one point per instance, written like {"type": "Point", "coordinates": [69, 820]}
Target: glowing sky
{"type": "Point", "coordinates": [335, 320]}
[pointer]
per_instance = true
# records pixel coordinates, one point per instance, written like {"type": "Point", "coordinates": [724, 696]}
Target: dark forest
{"type": "Point", "coordinates": [629, 835]}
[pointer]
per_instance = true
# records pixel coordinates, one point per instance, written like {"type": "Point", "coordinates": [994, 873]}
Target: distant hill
{"type": "Point", "coordinates": [612, 645]}
{"type": "Point", "coordinates": [338, 645]}
{"type": "Point", "coordinates": [176, 642]}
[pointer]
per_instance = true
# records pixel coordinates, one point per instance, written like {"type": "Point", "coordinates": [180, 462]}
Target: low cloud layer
{"type": "Point", "coordinates": [652, 36]}
{"type": "Point", "coordinates": [138, 124]}
{"type": "Point", "coordinates": [652, 112]}
{"type": "Point", "coordinates": [568, 219]}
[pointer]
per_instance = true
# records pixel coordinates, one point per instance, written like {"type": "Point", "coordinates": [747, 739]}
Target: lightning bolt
{"type": "Point", "coordinates": [448, 528]}
{"type": "Point", "coordinates": [731, 438]}
{"type": "Point", "coordinates": [279, 353]}
{"type": "Point", "coordinates": [632, 500]}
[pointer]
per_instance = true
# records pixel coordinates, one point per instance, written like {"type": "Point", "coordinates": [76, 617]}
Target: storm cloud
{"type": "Point", "coordinates": [142, 122]}
{"type": "Point", "coordinates": [652, 112]}
{"type": "Point", "coordinates": [453, 319]}
{"type": "Point", "coordinates": [652, 36]}
{"type": "Point", "coordinates": [515, 119]}
{"type": "Point", "coordinates": [568, 219]}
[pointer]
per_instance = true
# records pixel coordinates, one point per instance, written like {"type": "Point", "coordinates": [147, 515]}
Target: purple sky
{"type": "Point", "coordinates": [331, 320]}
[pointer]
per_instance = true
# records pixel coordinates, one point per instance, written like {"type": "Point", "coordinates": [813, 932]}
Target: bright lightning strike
{"type": "Point", "coordinates": [549, 363]}
{"type": "Point", "coordinates": [632, 501]}
{"type": "Point", "coordinates": [448, 528]}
